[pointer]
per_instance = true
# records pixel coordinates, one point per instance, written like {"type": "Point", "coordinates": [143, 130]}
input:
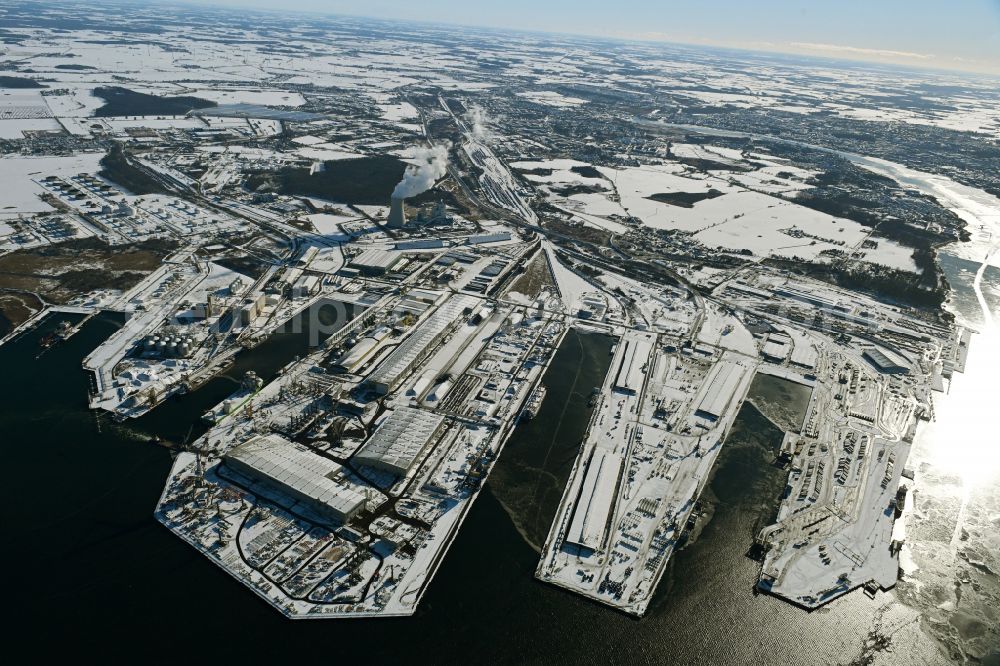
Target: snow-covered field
{"type": "Point", "coordinates": [19, 176]}
{"type": "Point", "coordinates": [262, 97]}
{"type": "Point", "coordinates": [551, 98]}
{"type": "Point", "coordinates": [329, 223]}
{"type": "Point", "coordinates": [327, 152]}
{"type": "Point", "coordinates": [743, 212]}
{"type": "Point", "coordinates": [401, 111]}
{"type": "Point", "coordinates": [15, 128]}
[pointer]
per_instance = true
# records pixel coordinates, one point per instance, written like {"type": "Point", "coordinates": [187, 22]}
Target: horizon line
{"type": "Point", "coordinates": [992, 73]}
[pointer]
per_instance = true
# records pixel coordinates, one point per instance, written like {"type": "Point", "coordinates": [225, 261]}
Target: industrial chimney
{"type": "Point", "coordinates": [397, 217]}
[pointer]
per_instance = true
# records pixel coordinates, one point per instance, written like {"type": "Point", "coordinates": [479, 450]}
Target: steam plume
{"type": "Point", "coordinates": [477, 117]}
{"type": "Point", "coordinates": [431, 164]}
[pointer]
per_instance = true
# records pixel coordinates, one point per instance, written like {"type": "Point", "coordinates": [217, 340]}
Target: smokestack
{"type": "Point", "coordinates": [397, 216]}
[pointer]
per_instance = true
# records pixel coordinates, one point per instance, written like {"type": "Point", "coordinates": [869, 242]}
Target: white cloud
{"type": "Point", "coordinates": [857, 50]}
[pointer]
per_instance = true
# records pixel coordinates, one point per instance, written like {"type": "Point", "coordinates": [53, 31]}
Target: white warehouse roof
{"type": "Point", "coordinates": [804, 354]}
{"type": "Point", "coordinates": [375, 259]}
{"type": "Point", "coordinates": [720, 385]}
{"type": "Point", "coordinates": [419, 342]}
{"type": "Point", "coordinates": [352, 359]}
{"type": "Point", "coordinates": [299, 471]}
{"type": "Point", "coordinates": [398, 441]}
{"type": "Point", "coordinates": [595, 500]}
{"type": "Point", "coordinates": [489, 238]}
{"type": "Point", "coordinates": [633, 355]}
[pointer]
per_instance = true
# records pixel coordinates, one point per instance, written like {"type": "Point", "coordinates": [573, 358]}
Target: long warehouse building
{"type": "Point", "coordinates": [397, 443]}
{"type": "Point", "coordinates": [298, 472]}
{"type": "Point", "coordinates": [632, 359]}
{"type": "Point", "coordinates": [595, 500]}
{"type": "Point", "coordinates": [418, 344]}
{"type": "Point", "coordinates": [361, 352]}
{"type": "Point", "coordinates": [885, 361]}
{"type": "Point", "coordinates": [717, 392]}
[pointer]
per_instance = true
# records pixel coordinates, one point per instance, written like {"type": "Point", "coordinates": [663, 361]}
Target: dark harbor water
{"type": "Point", "coordinates": [783, 401]}
{"type": "Point", "coordinates": [92, 575]}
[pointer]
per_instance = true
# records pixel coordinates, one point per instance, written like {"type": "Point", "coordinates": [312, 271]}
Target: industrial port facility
{"type": "Point", "coordinates": [436, 266]}
{"type": "Point", "coordinates": [336, 488]}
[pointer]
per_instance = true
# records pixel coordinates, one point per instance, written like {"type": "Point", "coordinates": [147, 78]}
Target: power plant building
{"type": "Point", "coordinates": [397, 443]}
{"type": "Point", "coordinates": [397, 215]}
{"type": "Point", "coordinates": [298, 472]}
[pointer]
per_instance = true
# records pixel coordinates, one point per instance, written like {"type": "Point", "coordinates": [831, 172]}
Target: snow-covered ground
{"type": "Point", "coordinates": [20, 176]}
{"type": "Point", "coordinates": [551, 98]}
{"type": "Point", "coordinates": [260, 96]}
{"type": "Point", "coordinates": [979, 209]}
{"type": "Point", "coordinates": [327, 152]}
{"type": "Point", "coordinates": [571, 285]}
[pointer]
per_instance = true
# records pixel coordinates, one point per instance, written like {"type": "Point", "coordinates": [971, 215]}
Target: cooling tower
{"type": "Point", "coordinates": [397, 217]}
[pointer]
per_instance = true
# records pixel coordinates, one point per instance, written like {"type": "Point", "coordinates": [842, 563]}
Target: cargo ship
{"type": "Point", "coordinates": [48, 340]}
{"type": "Point", "coordinates": [533, 404]}
{"type": "Point", "coordinates": [62, 332]}
{"type": "Point", "coordinates": [249, 387]}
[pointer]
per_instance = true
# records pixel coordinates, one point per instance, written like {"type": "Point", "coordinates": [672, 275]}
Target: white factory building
{"type": "Point", "coordinates": [399, 440]}
{"type": "Point", "coordinates": [777, 347]}
{"type": "Point", "coordinates": [298, 472]}
{"type": "Point", "coordinates": [421, 244]}
{"type": "Point", "coordinates": [375, 261]}
{"type": "Point", "coordinates": [886, 362]}
{"type": "Point", "coordinates": [803, 354]}
{"type": "Point", "coordinates": [589, 525]}
{"type": "Point", "coordinates": [306, 286]}
{"type": "Point", "coordinates": [717, 392]}
{"type": "Point", "coordinates": [632, 359]}
{"type": "Point", "coordinates": [361, 352]}
{"type": "Point", "coordinates": [250, 308]}
{"type": "Point", "coordinates": [483, 239]}
{"type": "Point", "coordinates": [418, 344]}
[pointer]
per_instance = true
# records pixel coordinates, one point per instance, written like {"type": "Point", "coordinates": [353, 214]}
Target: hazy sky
{"type": "Point", "coordinates": [952, 34]}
